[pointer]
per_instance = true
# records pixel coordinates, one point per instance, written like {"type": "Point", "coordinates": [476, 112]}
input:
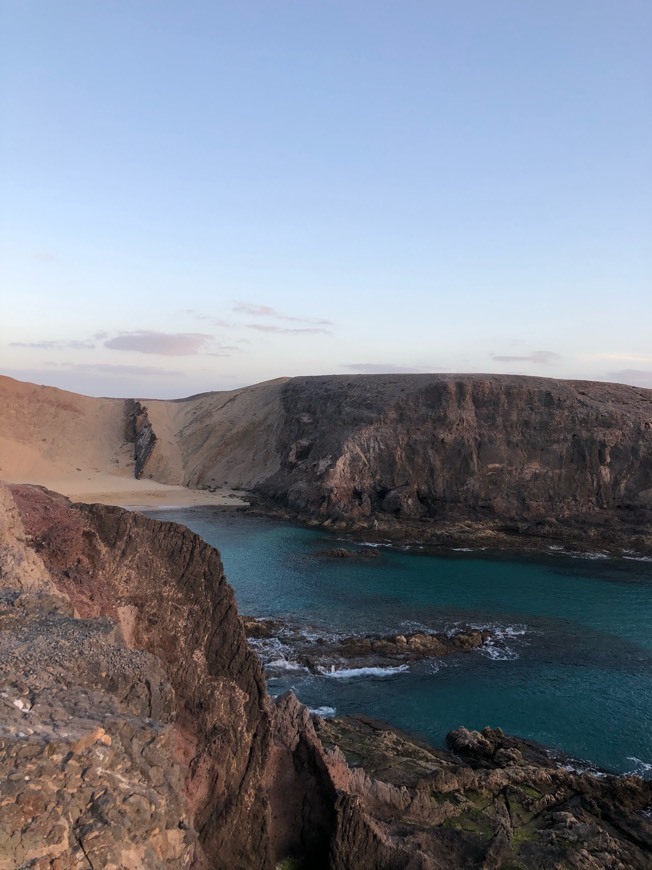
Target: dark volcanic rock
{"type": "Point", "coordinates": [405, 805]}
{"type": "Point", "coordinates": [489, 459]}
{"type": "Point", "coordinates": [362, 651]}
{"type": "Point", "coordinates": [345, 553]}
{"type": "Point", "coordinates": [140, 432]}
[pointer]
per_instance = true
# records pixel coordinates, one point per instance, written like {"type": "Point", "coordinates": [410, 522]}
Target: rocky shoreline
{"type": "Point", "coordinates": [596, 536]}
{"type": "Point", "coordinates": [319, 654]}
{"type": "Point", "coordinates": [137, 731]}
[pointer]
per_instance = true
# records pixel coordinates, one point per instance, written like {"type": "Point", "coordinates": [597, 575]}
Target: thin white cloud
{"type": "Point", "coordinates": [268, 327]}
{"type": "Point", "coordinates": [162, 343]}
{"type": "Point", "coordinates": [54, 345]}
{"type": "Point", "coordinates": [126, 370]}
{"type": "Point", "coordinates": [634, 377]}
{"type": "Point", "coordinates": [268, 311]}
{"type": "Point", "coordinates": [387, 369]}
{"type": "Point", "coordinates": [540, 357]}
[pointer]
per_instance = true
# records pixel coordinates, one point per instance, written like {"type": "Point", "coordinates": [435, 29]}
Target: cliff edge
{"type": "Point", "coordinates": [137, 733]}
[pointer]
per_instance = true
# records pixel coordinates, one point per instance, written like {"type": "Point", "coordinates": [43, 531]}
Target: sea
{"type": "Point", "coordinates": [569, 665]}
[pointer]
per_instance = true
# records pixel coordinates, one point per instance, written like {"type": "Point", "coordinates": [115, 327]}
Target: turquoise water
{"type": "Point", "coordinates": [571, 668]}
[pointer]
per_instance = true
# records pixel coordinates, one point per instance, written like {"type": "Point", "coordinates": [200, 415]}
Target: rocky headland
{"type": "Point", "coordinates": [492, 461]}
{"type": "Point", "coordinates": [137, 732]}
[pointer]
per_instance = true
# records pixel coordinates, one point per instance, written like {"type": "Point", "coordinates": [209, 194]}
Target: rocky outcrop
{"type": "Point", "coordinates": [137, 733]}
{"type": "Point", "coordinates": [166, 589]}
{"type": "Point", "coordinates": [140, 432]}
{"type": "Point", "coordinates": [403, 805]}
{"type": "Point", "coordinates": [123, 635]}
{"type": "Point", "coordinates": [319, 654]}
{"type": "Point", "coordinates": [87, 746]}
{"type": "Point", "coordinates": [484, 458]}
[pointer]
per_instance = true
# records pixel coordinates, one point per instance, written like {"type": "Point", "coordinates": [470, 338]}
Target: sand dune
{"type": "Point", "coordinates": [78, 445]}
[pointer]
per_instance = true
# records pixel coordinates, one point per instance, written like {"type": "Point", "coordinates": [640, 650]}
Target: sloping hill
{"type": "Point", "coordinates": [401, 454]}
{"type": "Point", "coordinates": [48, 435]}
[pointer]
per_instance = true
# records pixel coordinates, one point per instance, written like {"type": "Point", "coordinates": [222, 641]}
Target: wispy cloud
{"type": "Point", "coordinates": [224, 350]}
{"type": "Point", "coordinates": [268, 311]}
{"type": "Point", "coordinates": [623, 357]}
{"type": "Point", "coordinates": [127, 370]}
{"type": "Point", "coordinates": [45, 257]}
{"type": "Point", "coordinates": [635, 377]}
{"type": "Point", "coordinates": [269, 327]}
{"type": "Point", "coordinates": [387, 369]}
{"type": "Point", "coordinates": [163, 343]}
{"type": "Point", "coordinates": [54, 345]}
{"type": "Point", "coordinates": [540, 357]}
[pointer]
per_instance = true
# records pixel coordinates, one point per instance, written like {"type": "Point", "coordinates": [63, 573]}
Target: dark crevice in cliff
{"type": "Point", "coordinates": [139, 432]}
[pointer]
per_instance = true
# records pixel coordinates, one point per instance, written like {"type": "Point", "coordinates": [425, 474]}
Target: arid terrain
{"type": "Point", "coordinates": [491, 460]}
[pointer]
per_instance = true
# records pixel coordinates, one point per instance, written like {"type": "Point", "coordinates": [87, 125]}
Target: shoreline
{"type": "Point", "coordinates": [597, 540]}
{"type": "Point", "coordinates": [133, 494]}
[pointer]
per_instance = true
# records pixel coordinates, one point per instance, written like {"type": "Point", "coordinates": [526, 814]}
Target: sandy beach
{"type": "Point", "coordinates": [76, 445]}
{"type": "Point", "coordinates": [102, 488]}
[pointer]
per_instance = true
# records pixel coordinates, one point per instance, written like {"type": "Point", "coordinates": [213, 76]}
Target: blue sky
{"type": "Point", "coordinates": [203, 195]}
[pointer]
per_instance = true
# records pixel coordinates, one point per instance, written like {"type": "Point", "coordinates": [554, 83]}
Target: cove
{"type": "Point", "coordinates": [571, 666]}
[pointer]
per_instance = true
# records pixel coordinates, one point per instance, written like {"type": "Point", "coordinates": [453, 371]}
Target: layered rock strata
{"type": "Point", "coordinates": [457, 458]}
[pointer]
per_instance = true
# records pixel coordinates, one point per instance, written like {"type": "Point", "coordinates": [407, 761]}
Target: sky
{"type": "Point", "coordinates": [201, 195]}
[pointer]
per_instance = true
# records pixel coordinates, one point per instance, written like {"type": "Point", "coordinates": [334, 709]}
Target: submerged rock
{"type": "Point", "coordinates": [362, 651]}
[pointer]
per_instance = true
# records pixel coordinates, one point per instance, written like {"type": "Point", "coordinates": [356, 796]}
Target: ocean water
{"type": "Point", "coordinates": [571, 665]}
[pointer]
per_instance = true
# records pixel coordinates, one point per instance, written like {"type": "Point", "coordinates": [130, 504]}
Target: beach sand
{"type": "Point", "coordinates": [76, 445]}
{"type": "Point", "coordinates": [102, 488]}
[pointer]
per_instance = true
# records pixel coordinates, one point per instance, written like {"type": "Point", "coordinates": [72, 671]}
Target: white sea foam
{"type": "Point", "coordinates": [275, 655]}
{"type": "Point", "coordinates": [323, 712]}
{"type": "Point", "coordinates": [282, 664]}
{"type": "Point", "coordinates": [590, 556]}
{"type": "Point", "coordinates": [638, 558]}
{"type": "Point", "coordinates": [355, 673]}
{"type": "Point", "coordinates": [641, 768]}
{"type": "Point", "coordinates": [498, 653]}
{"type": "Point", "coordinates": [374, 544]}
{"type": "Point", "coordinates": [497, 648]}
{"type": "Point", "coordinates": [463, 549]}
{"type": "Point", "coordinates": [584, 768]}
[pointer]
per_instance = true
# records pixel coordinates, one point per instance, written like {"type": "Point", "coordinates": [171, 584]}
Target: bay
{"type": "Point", "coordinates": [571, 666]}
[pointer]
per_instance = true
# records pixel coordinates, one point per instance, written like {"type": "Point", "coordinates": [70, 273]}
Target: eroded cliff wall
{"type": "Point", "coordinates": [465, 448]}
{"type": "Point", "coordinates": [137, 733]}
{"type": "Point", "coordinates": [135, 617]}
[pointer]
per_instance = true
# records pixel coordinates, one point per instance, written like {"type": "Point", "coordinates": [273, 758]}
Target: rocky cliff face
{"type": "Point", "coordinates": [430, 453]}
{"type": "Point", "coordinates": [167, 591]}
{"type": "Point", "coordinates": [498, 802]}
{"type": "Point", "coordinates": [137, 733]}
{"type": "Point", "coordinates": [482, 459]}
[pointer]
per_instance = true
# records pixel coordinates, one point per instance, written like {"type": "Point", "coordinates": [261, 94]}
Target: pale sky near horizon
{"type": "Point", "coordinates": [197, 196]}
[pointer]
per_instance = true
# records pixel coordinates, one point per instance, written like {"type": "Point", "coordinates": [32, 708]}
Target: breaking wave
{"type": "Point", "coordinates": [355, 673]}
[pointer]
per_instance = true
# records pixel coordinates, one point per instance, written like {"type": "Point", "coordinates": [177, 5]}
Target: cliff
{"type": "Point", "coordinates": [490, 460]}
{"type": "Point", "coordinates": [455, 457]}
{"type": "Point", "coordinates": [137, 733]}
{"type": "Point", "coordinates": [144, 647]}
